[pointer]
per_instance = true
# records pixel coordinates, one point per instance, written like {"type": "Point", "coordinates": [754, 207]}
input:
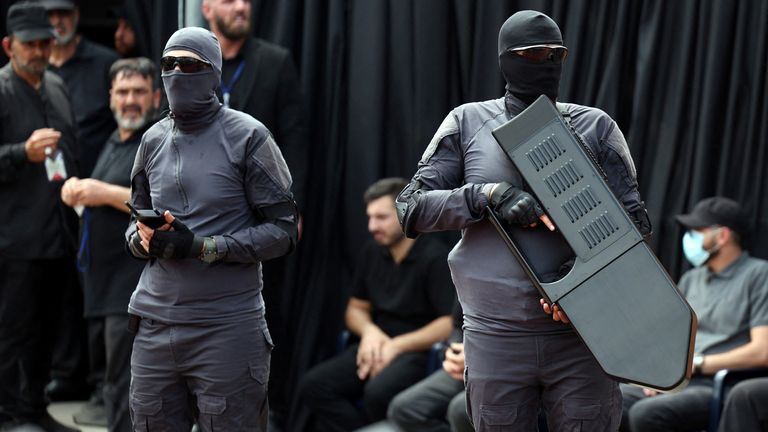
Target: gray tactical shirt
{"type": "Point", "coordinates": [214, 180]}
{"type": "Point", "coordinates": [728, 304]}
{"type": "Point", "coordinates": [457, 169]}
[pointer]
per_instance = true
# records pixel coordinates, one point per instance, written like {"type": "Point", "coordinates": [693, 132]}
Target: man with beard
{"type": "Point", "coordinates": [728, 290]}
{"type": "Point", "coordinates": [109, 274]}
{"type": "Point", "coordinates": [222, 186]}
{"type": "Point", "coordinates": [400, 304]}
{"type": "Point", "coordinates": [259, 78]}
{"type": "Point", "coordinates": [37, 134]}
{"type": "Point", "coordinates": [517, 358]}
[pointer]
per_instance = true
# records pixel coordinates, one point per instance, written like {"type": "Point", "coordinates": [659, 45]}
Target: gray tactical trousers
{"type": "Point", "coordinates": [214, 375]}
{"type": "Point", "coordinates": [509, 377]}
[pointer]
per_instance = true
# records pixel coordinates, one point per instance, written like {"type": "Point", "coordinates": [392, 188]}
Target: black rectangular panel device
{"type": "Point", "coordinates": [618, 296]}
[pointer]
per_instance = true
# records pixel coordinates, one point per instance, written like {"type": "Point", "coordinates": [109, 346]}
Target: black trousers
{"type": "Point", "coordinates": [118, 343]}
{"type": "Point", "coordinates": [30, 293]}
{"type": "Point", "coordinates": [687, 410]}
{"type": "Point", "coordinates": [746, 407]}
{"type": "Point", "coordinates": [97, 355]}
{"type": "Point", "coordinates": [69, 359]}
{"type": "Point", "coordinates": [332, 390]}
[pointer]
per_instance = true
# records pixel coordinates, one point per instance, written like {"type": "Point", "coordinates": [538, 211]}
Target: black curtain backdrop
{"type": "Point", "coordinates": [686, 81]}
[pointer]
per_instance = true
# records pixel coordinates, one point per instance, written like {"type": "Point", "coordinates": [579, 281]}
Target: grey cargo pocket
{"type": "Point", "coordinates": [259, 372]}
{"type": "Point", "coordinates": [145, 411]}
{"type": "Point", "coordinates": [498, 417]}
{"type": "Point", "coordinates": [584, 415]}
{"type": "Point", "coordinates": [212, 405]}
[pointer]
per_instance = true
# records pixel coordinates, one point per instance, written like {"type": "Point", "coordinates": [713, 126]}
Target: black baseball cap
{"type": "Point", "coordinates": [28, 22]}
{"type": "Point", "coordinates": [58, 4]}
{"type": "Point", "coordinates": [716, 211]}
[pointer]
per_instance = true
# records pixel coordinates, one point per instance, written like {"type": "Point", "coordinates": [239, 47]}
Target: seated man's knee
{"type": "Point", "coordinates": [457, 414]}
{"type": "Point", "coordinates": [312, 386]}
{"type": "Point", "coordinates": [740, 394]}
{"type": "Point", "coordinates": [376, 398]}
{"type": "Point", "coordinates": [646, 414]}
{"type": "Point", "coordinates": [400, 408]}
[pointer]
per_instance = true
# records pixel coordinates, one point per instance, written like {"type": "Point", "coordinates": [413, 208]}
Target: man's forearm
{"type": "Point", "coordinates": [423, 338]}
{"type": "Point", "coordinates": [749, 355]}
{"type": "Point", "coordinates": [116, 196]}
{"type": "Point", "coordinates": [358, 320]}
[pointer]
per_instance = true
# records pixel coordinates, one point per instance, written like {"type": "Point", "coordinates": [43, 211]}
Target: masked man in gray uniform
{"type": "Point", "coordinates": [224, 190]}
{"type": "Point", "coordinates": [517, 358]}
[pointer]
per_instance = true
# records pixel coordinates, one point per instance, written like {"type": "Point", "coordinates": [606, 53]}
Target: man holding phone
{"type": "Point", "coordinates": [109, 275]}
{"type": "Point", "coordinates": [224, 190]}
{"type": "Point", "coordinates": [37, 140]}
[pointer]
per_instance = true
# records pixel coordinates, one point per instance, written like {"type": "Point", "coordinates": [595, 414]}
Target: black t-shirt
{"type": "Point", "coordinates": [228, 68]}
{"type": "Point", "coordinates": [112, 274]}
{"type": "Point", "coordinates": [409, 295]}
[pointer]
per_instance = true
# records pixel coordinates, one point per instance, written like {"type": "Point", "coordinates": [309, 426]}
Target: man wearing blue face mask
{"type": "Point", "coordinates": [728, 289]}
{"type": "Point", "coordinates": [202, 347]}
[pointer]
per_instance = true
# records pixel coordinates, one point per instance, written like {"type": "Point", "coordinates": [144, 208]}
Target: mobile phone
{"type": "Point", "coordinates": [149, 217]}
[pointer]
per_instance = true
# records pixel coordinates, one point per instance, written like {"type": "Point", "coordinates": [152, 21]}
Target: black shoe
{"type": "Point", "coordinates": [62, 389]}
{"type": "Point", "coordinates": [46, 423]}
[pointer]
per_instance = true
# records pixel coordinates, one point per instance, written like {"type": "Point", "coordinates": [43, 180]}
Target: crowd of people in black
{"type": "Point", "coordinates": [159, 321]}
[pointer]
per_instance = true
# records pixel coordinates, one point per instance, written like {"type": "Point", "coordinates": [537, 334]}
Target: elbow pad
{"type": "Point", "coordinates": [405, 203]}
{"type": "Point", "coordinates": [284, 215]}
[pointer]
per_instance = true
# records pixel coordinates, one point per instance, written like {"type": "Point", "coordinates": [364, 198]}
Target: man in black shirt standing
{"type": "Point", "coordinates": [400, 305]}
{"type": "Point", "coordinates": [37, 143]}
{"type": "Point", "coordinates": [110, 275]}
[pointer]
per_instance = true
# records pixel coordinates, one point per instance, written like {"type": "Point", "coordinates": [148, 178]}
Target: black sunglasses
{"type": "Point", "coordinates": [186, 64]}
{"type": "Point", "coordinates": [542, 54]}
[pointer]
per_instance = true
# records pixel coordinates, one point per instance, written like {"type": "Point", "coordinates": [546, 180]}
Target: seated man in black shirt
{"type": "Point", "coordinates": [400, 305]}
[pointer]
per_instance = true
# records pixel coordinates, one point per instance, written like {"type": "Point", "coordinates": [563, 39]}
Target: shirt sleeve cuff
{"type": "Point", "coordinates": [485, 193]}
{"type": "Point", "coordinates": [18, 153]}
{"type": "Point", "coordinates": [221, 246]}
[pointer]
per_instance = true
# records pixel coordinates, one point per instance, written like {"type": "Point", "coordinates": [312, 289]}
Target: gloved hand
{"type": "Point", "coordinates": [179, 243]}
{"type": "Point", "coordinates": [514, 205]}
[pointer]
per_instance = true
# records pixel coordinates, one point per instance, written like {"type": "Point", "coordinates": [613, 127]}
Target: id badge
{"type": "Point", "coordinates": [54, 166]}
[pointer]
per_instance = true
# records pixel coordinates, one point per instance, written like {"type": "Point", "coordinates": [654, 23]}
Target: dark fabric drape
{"type": "Point", "coordinates": [685, 80]}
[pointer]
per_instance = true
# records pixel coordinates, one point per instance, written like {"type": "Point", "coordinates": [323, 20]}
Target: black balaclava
{"type": "Point", "coordinates": [525, 80]}
{"type": "Point", "coordinates": [192, 96]}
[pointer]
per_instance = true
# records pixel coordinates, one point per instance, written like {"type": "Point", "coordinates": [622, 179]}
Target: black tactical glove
{"type": "Point", "coordinates": [179, 243]}
{"type": "Point", "coordinates": [515, 205]}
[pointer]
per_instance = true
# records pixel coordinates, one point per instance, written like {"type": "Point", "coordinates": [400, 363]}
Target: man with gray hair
{"type": "Point", "coordinates": [109, 274]}
{"type": "Point", "coordinates": [222, 190]}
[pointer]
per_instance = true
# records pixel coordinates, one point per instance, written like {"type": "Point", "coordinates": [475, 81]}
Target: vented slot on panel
{"type": "Point", "coordinates": [553, 186]}
{"type": "Point", "coordinates": [598, 230]}
{"type": "Point", "coordinates": [580, 204]}
{"type": "Point", "coordinates": [544, 153]}
{"type": "Point", "coordinates": [562, 178]}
